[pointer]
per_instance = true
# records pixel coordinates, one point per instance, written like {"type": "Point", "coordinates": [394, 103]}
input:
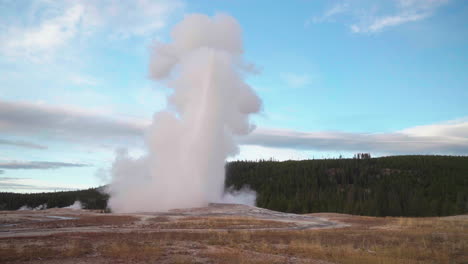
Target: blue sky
{"type": "Point", "coordinates": [335, 78]}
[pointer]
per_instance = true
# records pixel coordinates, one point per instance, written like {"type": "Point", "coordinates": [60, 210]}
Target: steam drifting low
{"type": "Point", "coordinates": [189, 142]}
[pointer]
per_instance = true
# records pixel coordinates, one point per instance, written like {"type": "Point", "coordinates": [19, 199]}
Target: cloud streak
{"type": "Point", "coordinates": [296, 80]}
{"type": "Point", "coordinates": [46, 26]}
{"type": "Point", "coordinates": [68, 123]}
{"type": "Point", "coordinates": [329, 14]}
{"type": "Point", "coordinates": [11, 184]}
{"type": "Point", "coordinates": [64, 122]}
{"type": "Point", "coordinates": [407, 11]}
{"type": "Point", "coordinates": [42, 165]}
{"type": "Point", "coordinates": [365, 18]}
{"type": "Point", "coordinates": [20, 143]}
{"type": "Point", "coordinates": [445, 138]}
{"type": "Point", "coordinates": [18, 184]}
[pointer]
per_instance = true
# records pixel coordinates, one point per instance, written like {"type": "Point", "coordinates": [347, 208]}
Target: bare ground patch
{"type": "Point", "coordinates": [217, 237]}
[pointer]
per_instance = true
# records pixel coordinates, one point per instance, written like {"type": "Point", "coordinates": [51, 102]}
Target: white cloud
{"type": "Point", "coordinates": [43, 27]}
{"type": "Point", "coordinates": [66, 122]}
{"type": "Point", "coordinates": [83, 80]}
{"type": "Point", "coordinates": [21, 143]}
{"type": "Point", "coordinates": [329, 14]}
{"type": "Point", "coordinates": [73, 124]}
{"type": "Point", "coordinates": [451, 129]}
{"type": "Point", "coordinates": [295, 79]}
{"type": "Point", "coordinates": [407, 11]}
{"type": "Point", "coordinates": [50, 34]}
{"type": "Point", "coordinates": [444, 138]}
{"type": "Point", "coordinates": [364, 17]}
{"type": "Point", "coordinates": [380, 23]}
{"type": "Point", "coordinates": [336, 9]}
{"type": "Point", "coordinates": [40, 165]}
{"type": "Point", "coordinates": [131, 18]}
{"type": "Point", "coordinates": [253, 152]}
{"type": "Point", "coordinates": [16, 184]}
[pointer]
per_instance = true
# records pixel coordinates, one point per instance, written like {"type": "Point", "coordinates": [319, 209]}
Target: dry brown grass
{"type": "Point", "coordinates": [218, 223]}
{"type": "Point", "coordinates": [181, 259]}
{"type": "Point", "coordinates": [159, 219]}
{"type": "Point", "coordinates": [227, 256]}
{"type": "Point", "coordinates": [406, 241]}
{"type": "Point", "coordinates": [372, 240]}
{"type": "Point", "coordinates": [95, 220]}
{"type": "Point", "coordinates": [41, 251]}
{"type": "Point", "coordinates": [130, 250]}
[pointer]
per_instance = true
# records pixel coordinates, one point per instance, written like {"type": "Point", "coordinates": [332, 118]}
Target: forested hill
{"type": "Point", "coordinates": [92, 198]}
{"type": "Point", "coordinates": [386, 186]}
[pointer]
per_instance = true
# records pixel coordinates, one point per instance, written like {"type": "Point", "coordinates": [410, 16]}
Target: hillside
{"type": "Point", "coordinates": [92, 198]}
{"type": "Point", "coordinates": [386, 186]}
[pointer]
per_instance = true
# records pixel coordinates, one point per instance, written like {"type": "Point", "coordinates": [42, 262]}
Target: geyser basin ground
{"type": "Point", "coordinates": [223, 233]}
{"type": "Point", "coordinates": [216, 217]}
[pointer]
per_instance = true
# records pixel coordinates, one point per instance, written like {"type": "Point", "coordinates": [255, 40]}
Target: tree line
{"type": "Point", "coordinates": [385, 186]}
{"type": "Point", "coordinates": [93, 198]}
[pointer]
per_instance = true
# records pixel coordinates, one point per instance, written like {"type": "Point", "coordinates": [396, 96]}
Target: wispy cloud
{"type": "Point", "coordinates": [329, 14]}
{"type": "Point", "coordinates": [66, 123]}
{"type": "Point", "coordinates": [83, 80]}
{"type": "Point", "coordinates": [380, 23]}
{"type": "Point", "coordinates": [20, 143]}
{"type": "Point", "coordinates": [49, 34]}
{"type": "Point", "coordinates": [42, 165]}
{"type": "Point", "coordinates": [133, 18]}
{"type": "Point", "coordinates": [295, 79]}
{"type": "Point", "coordinates": [15, 184]}
{"type": "Point", "coordinates": [373, 17]}
{"type": "Point", "coordinates": [407, 11]}
{"type": "Point", "coordinates": [13, 178]}
{"type": "Point", "coordinates": [444, 138]}
{"type": "Point", "coordinates": [42, 27]}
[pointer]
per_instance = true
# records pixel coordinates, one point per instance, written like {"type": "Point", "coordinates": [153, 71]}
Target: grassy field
{"type": "Point", "coordinates": [366, 240]}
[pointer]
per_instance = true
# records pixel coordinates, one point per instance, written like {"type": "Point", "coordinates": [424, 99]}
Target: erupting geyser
{"type": "Point", "coordinates": [189, 142]}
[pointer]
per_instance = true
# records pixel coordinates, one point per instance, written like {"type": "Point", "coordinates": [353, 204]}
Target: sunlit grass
{"type": "Point", "coordinates": [374, 240]}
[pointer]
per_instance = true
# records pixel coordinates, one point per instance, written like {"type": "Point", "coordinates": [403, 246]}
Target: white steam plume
{"type": "Point", "coordinates": [189, 143]}
{"type": "Point", "coordinates": [75, 206]}
{"type": "Point", "coordinates": [245, 196]}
